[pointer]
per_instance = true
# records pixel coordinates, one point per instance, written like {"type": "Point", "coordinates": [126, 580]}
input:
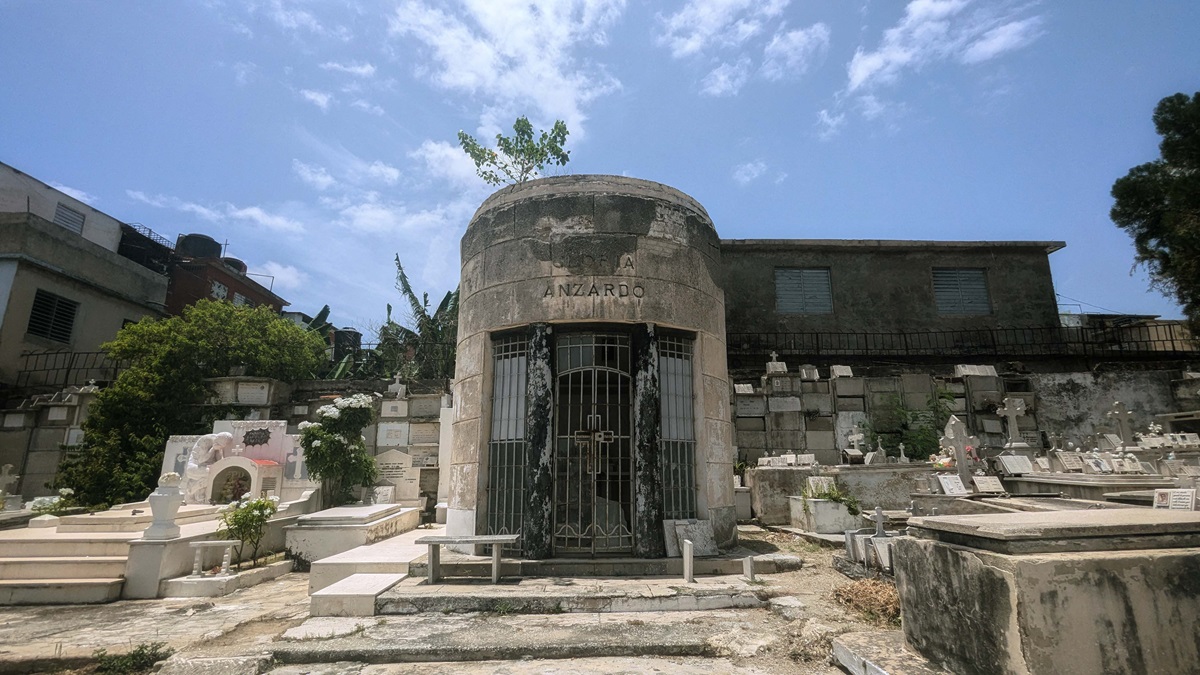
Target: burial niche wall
{"type": "Point", "coordinates": [633, 264]}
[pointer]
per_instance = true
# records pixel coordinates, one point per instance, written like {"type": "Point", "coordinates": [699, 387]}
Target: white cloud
{"type": "Point", "coordinates": [829, 124]}
{"type": "Point", "coordinates": [287, 277]}
{"type": "Point", "coordinates": [314, 175]}
{"type": "Point", "coordinates": [515, 54]}
{"type": "Point", "coordinates": [726, 79]}
{"type": "Point", "coordinates": [374, 217]}
{"type": "Point", "coordinates": [291, 18]}
{"type": "Point", "coordinates": [225, 212]}
{"type": "Point", "coordinates": [936, 30]}
{"type": "Point", "coordinates": [82, 196]}
{"type": "Point", "coordinates": [1005, 38]}
{"type": "Point", "coordinates": [244, 73]}
{"type": "Point", "coordinates": [356, 69]}
{"type": "Point", "coordinates": [704, 24]}
{"type": "Point", "coordinates": [366, 106]}
{"type": "Point", "coordinates": [317, 98]}
{"type": "Point", "coordinates": [447, 162]}
{"type": "Point", "coordinates": [870, 106]}
{"type": "Point", "coordinates": [379, 171]}
{"type": "Point", "coordinates": [744, 174]}
{"type": "Point", "coordinates": [792, 52]}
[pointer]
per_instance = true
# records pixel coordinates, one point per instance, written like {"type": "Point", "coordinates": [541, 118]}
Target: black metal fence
{"type": "Point", "coordinates": [1143, 341]}
{"type": "Point", "coordinates": [59, 369]}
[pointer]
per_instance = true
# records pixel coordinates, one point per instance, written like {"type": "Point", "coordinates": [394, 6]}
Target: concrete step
{"type": "Point", "coordinates": [475, 637]}
{"type": "Point", "coordinates": [67, 567]}
{"type": "Point", "coordinates": [458, 565]}
{"type": "Point", "coordinates": [60, 547]}
{"type": "Point", "coordinates": [564, 595]}
{"type": "Point", "coordinates": [60, 591]}
{"type": "Point", "coordinates": [353, 596]}
{"type": "Point", "coordinates": [390, 556]}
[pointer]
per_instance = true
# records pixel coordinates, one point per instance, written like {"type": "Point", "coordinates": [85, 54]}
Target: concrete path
{"type": "Point", "coordinates": [35, 638]}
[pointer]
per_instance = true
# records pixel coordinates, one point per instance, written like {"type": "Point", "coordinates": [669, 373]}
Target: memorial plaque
{"type": "Point", "coordinates": [750, 406]}
{"type": "Point", "coordinates": [1041, 465]}
{"type": "Point", "coordinates": [785, 404]}
{"type": "Point", "coordinates": [988, 484]}
{"type": "Point", "coordinates": [385, 494]}
{"type": "Point", "coordinates": [1016, 464]}
{"type": "Point", "coordinates": [870, 457]}
{"type": "Point", "coordinates": [13, 420]}
{"type": "Point", "coordinates": [391, 434]}
{"type": "Point", "coordinates": [1175, 466]}
{"type": "Point", "coordinates": [789, 459]}
{"type": "Point", "coordinates": [425, 407]}
{"type": "Point", "coordinates": [423, 433]}
{"type": "Point", "coordinates": [299, 411]}
{"type": "Point", "coordinates": [74, 436]}
{"type": "Point", "coordinates": [952, 484]}
{"type": "Point", "coordinates": [781, 384]}
{"type": "Point", "coordinates": [423, 455]}
{"type": "Point", "coordinates": [394, 409]}
{"type": "Point", "coordinates": [253, 393]}
{"type": "Point", "coordinates": [1096, 465]}
{"type": "Point", "coordinates": [1175, 500]}
{"type": "Point", "coordinates": [820, 484]}
{"type": "Point", "coordinates": [391, 463]}
{"type": "Point", "coordinates": [743, 389]}
{"type": "Point", "coordinates": [57, 413]}
{"type": "Point", "coordinates": [1071, 461]}
{"type": "Point", "coordinates": [1191, 439]}
{"type": "Point", "coordinates": [1191, 470]}
{"type": "Point", "coordinates": [806, 460]}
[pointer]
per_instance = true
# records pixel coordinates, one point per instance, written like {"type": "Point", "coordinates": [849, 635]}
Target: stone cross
{"type": "Point", "coordinates": [878, 518]}
{"type": "Point", "coordinates": [1013, 408]}
{"type": "Point", "coordinates": [7, 478]}
{"type": "Point", "coordinates": [903, 457]}
{"type": "Point", "coordinates": [297, 458]}
{"type": "Point", "coordinates": [959, 438]}
{"type": "Point", "coordinates": [774, 357]}
{"type": "Point", "coordinates": [855, 439]}
{"type": "Point", "coordinates": [1123, 417]}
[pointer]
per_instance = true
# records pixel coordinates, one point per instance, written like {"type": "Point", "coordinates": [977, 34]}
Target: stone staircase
{"type": "Point", "coordinates": [79, 560]}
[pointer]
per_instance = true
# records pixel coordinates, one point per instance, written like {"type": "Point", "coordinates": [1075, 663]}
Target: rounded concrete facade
{"type": "Point", "coordinates": [608, 254]}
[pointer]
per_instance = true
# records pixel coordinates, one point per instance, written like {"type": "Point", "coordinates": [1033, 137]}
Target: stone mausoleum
{"type": "Point", "coordinates": [591, 390]}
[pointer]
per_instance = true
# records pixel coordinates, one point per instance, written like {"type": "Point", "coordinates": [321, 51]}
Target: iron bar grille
{"type": "Point", "coordinates": [678, 441]}
{"type": "Point", "coordinates": [58, 369]}
{"type": "Point", "coordinates": [593, 463]}
{"type": "Point", "coordinates": [506, 444]}
{"type": "Point", "coordinates": [1156, 341]}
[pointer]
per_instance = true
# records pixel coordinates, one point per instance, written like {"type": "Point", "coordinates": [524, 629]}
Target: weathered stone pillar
{"type": "Point", "coordinates": [539, 444]}
{"type": "Point", "coordinates": [647, 458]}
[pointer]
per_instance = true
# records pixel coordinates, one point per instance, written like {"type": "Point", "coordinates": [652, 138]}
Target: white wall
{"type": "Point", "coordinates": [20, 193]}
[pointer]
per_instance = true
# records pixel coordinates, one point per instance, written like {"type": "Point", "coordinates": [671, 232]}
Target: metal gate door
{"type": "Point", "coordinates": [593, 463]}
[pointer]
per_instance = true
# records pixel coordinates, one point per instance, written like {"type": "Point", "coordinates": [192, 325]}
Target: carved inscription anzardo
{"type": "Point", "coordinates": [594, 290]}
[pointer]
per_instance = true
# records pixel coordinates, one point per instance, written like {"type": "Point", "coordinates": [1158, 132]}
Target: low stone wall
{"type": "Point", "coordinates": [888, 485]}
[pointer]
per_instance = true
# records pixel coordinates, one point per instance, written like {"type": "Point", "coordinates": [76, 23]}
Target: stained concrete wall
{"type": "Point", "coordinates": [975, 612]}
{"type": "Point", "coordinates": [888, 485]}
{"type": "Point", "coordinates": [887, 286]}
{"type": "Point", "coordinates": [1076, 403]}
{"type": "Point", "coordinates": [591, 249]}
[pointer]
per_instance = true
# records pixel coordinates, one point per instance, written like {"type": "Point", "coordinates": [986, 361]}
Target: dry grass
{"type": "Point", "coordinates": [875, 600]}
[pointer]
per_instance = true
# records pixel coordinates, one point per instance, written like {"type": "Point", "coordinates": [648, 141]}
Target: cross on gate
{"type": "Point", "coordinates": [589, 439]}
{"type": "Point", "coordinates": [1123, 417]}
{"type": "Point", "coordinates": [7, 477]}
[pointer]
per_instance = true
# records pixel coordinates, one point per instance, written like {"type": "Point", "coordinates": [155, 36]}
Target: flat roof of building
{"type": "Point", "coordinates": [1048, 246]}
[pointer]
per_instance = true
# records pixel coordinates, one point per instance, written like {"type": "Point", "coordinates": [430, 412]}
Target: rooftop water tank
{"type": "Point", "coordinates": [197, 246]}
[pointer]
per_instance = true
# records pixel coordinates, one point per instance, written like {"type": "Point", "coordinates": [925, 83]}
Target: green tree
{"type": "Point", "coordinates": [162, 390]}
{"type": "Point", "coordinates": [427, 349]}
{"type": "Point", "coordinates": [518, 158]}
{"type": "Point", "coordinates": [1158, 204]}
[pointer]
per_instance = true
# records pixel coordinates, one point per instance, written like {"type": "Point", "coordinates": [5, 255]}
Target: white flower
{"type": "Point", "coordinates": [316, 443]}
{"type": "Point", "coordinates": [66, 492]}
{"type": "Point", "coordinates": [306, 425]}
{"type": "Point", "coordinates": [274, 499]}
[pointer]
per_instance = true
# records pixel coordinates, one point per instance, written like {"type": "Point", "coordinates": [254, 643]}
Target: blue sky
{"type": "Point", "coordinates": [318, 137]}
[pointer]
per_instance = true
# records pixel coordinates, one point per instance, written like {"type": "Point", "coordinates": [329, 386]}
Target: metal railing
{"type": "Point", "coordinates": [58, 369]}
{"type": "Point", "coordinates": [1139, 341]}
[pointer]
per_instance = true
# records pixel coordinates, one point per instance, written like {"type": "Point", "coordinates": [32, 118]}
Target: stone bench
{"type": "Point", "coordinates": [497, 541]}
{"type": "Point", "coordinates": [199, 546]}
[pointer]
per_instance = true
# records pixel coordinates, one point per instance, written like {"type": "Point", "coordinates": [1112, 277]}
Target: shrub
{"type": "Point", "coordinates": [246, 521]}
{"type": "Point", "coordinates": [876, 600]}
{"type": "Point", "coordinates": [335, 450]}
{"type": "Point", "coordinates": [833, 494]}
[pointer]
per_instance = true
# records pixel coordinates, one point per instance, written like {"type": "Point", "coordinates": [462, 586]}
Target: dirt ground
{"type": "Point", "coordinates": [793, 641]}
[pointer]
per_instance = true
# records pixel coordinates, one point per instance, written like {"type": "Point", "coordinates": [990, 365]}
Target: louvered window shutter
{"type": "Point", "coordinates": [68, 218]}
{"type": "Point", "coordinates": [803, 291]}
{"type": "Point", "coordinates": [961, 290]}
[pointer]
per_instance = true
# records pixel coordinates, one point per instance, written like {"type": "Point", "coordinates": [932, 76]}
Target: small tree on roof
{"type": "Point", "coordinates": [518, 158]}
